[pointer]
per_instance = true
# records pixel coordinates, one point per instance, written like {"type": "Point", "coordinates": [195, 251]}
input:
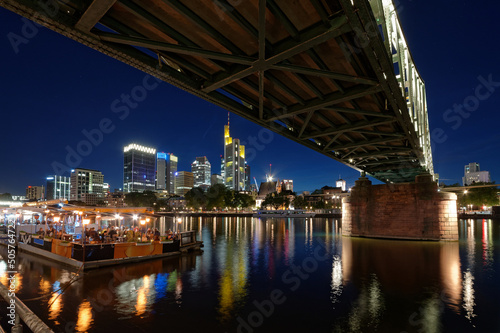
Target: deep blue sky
{"type": "Point", "coordinates": [54, 88]}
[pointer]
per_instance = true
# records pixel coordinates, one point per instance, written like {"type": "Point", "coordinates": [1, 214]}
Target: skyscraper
{"type": "Point", "coordinates": [222, 166]}
{"type": "Point", "coordinates": [138, 168]}
{"type": "Point", "coordinates": [161, 171]}
{"type": "Point", "coordinates": [171, 169]}
{"type": "Point", "coordinates": [202, 171]}
{"type": "Point", "coordinates": [247, 177]}
{"type": "Point", "coordinates": [184, 182]}
{"type": "Point", "coordinates": [58, 187]}
{"type": "Point", "coordinates": [216, 179]}
{"type": "Point", "coordinates": [234, 162]}
{"type": "Point", "coordinates": [87, 186]}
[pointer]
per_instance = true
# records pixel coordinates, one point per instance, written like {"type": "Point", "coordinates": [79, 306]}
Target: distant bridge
{"type": "Point", "coordinates": [336, 76]}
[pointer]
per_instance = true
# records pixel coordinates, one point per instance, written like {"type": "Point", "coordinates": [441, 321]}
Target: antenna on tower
{"type": "Point", "coordinates": [228, 119]}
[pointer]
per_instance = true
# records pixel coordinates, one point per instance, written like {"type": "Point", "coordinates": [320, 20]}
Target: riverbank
{"type": "Point", "coordinates": [477, 216]}
{"type": "Point", "coordinates": [234, 214]}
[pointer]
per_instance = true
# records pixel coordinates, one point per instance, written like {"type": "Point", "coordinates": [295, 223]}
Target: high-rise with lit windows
{"type": "Point", "coordinates": [139, 164]}
{"type": "Point", "coordinates": [202, 171]}
{"type": "Point", "coordinates": [184, 182]}
{"type": "Point", "coordinates": [473, 174]}
{"type": "Point", "coordinates": [166, 169]}
{"type": "Point", "coordinates": [86, 185]}
{"type": "Point", "coordinates": [35, 192]}
{"type": "Point", "coordinates": [234, 162]}
{"type": "Point", "coordinates": [58, 187]}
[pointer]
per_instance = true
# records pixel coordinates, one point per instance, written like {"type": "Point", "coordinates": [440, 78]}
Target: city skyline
{"type": "Point", "coordinates": [66, 91]}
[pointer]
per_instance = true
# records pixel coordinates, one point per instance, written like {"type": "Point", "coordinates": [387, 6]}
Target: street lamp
{"type": "Point", "coordinates": [179, 221]}
{"type": "Point", "coordinates": [135, 217]}
{"type": "Point", "coordinates": [84, 223]}
{"type": "Point", "coordinates": [143, 222]}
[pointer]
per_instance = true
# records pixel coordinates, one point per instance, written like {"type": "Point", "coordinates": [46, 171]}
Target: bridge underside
{"type": "Point", "coordinates": [313, 71]}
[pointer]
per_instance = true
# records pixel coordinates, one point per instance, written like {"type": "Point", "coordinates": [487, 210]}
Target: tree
{"type": "Point", "coordinates": [276, 200]}
{"type": "Point", "coordinates": [216, 197]}
{"type": "Point", "coordinates": [319, 205]}
{"type": "Point", "coordinates": [162, 205]}
{"type": "Point", "coordinates": [195, 198]}
{"type": "Point", "coordinates": [248, 201]}
{"type": "Point", "coordinates": [299, 202]}
{"type": "Point", "coordinates": [5, 197]}
{"type": "Point", "coordinates": [140, 199]}
{"type": "Point", "coordinates": [268, 201]}
{"type": "Point", "coordinates": [479, 196]}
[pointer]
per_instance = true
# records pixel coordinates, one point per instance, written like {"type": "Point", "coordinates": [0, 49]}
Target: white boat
{"type": "Point", "coordinates": [283, 213]}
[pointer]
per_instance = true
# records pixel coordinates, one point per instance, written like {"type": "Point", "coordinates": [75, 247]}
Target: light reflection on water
{"type": "Point", "coordinates": [364, 285]}
{"type": "Point", "coordinates": [85, 318]}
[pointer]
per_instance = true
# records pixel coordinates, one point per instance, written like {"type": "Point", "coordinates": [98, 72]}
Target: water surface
{"type": "Point", "coordinates": [269, 275]}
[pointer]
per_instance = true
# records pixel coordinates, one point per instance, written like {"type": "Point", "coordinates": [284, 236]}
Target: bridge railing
{"type": "Point", "coordinates": [411, 84]}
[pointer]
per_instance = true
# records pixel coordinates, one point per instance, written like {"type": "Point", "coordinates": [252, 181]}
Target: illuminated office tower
{"type": "Point", "coordinates": [58, 187]}
{"type": "Point", "coordinates": [202, 171]}
{"type": "Point", "coordinates": [139, 164]}
{"type": "Point", "coordinates": [171, 170]}
{"type": "Point", "coordinates": [247, 177]}
{"type": "Point", "coordinates": [86, 185]}
{"type": "Point", "coordinates": [184, 182]}
{"type": "Point", "coordinates": [234, 162]}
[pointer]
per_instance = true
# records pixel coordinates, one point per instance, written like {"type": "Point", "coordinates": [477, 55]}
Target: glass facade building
{"type": "Point", "coordinates": [139, 168]}
{"type": "Point", "coordinates": [184, 182]}
{"type": "Point", "coordinates": [166, 167]}
{"type": "Point", "coordinates": [202, 171]}
{"type": "Point", "coordinates": [58, 187]}
{"type": "Point", "coordinates": [234, 162]}
{"type": "Point", "coordinates": [86, 185]}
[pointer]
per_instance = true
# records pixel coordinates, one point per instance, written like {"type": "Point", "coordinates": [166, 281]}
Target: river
{"type": "Point", "coordinates": [278, 275]}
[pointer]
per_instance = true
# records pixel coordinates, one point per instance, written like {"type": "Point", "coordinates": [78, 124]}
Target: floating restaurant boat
{"type": "Point", "coordinates": [283, 213]}
{"type": "Point", "coordinates": [89, 256]}
{"type": "Point", "coordinates": [31, 230]}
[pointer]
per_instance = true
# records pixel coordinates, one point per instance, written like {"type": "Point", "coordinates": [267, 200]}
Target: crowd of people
{"type": "Point", "coordinates": [113, 234]}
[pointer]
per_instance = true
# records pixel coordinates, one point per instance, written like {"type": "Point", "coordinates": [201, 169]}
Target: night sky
{"type": "Point", "coordinates": [53, 89]}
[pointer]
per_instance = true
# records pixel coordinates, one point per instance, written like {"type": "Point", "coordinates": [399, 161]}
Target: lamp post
{"type": "Point", "coordinates": [134, 217]}
{"type": "Point", "coordinates": [179, 222]}
{"type": "Point", "coordinates": [84, 223]}
{"type": "Point", "coordinates": [143, 222]}
{"type": "Point", "coordinates": [56, 220]}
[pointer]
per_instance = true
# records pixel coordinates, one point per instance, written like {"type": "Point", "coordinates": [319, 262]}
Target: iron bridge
{"type": "Point", "coordinates": [334, 75]}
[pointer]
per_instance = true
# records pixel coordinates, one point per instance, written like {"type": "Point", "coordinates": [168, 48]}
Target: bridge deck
{"type": "Point", "coordinates": [317, 72]}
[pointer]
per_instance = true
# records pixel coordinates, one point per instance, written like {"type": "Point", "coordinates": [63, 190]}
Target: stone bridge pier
{"type": "Point", "coordinates": [416, 211]}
